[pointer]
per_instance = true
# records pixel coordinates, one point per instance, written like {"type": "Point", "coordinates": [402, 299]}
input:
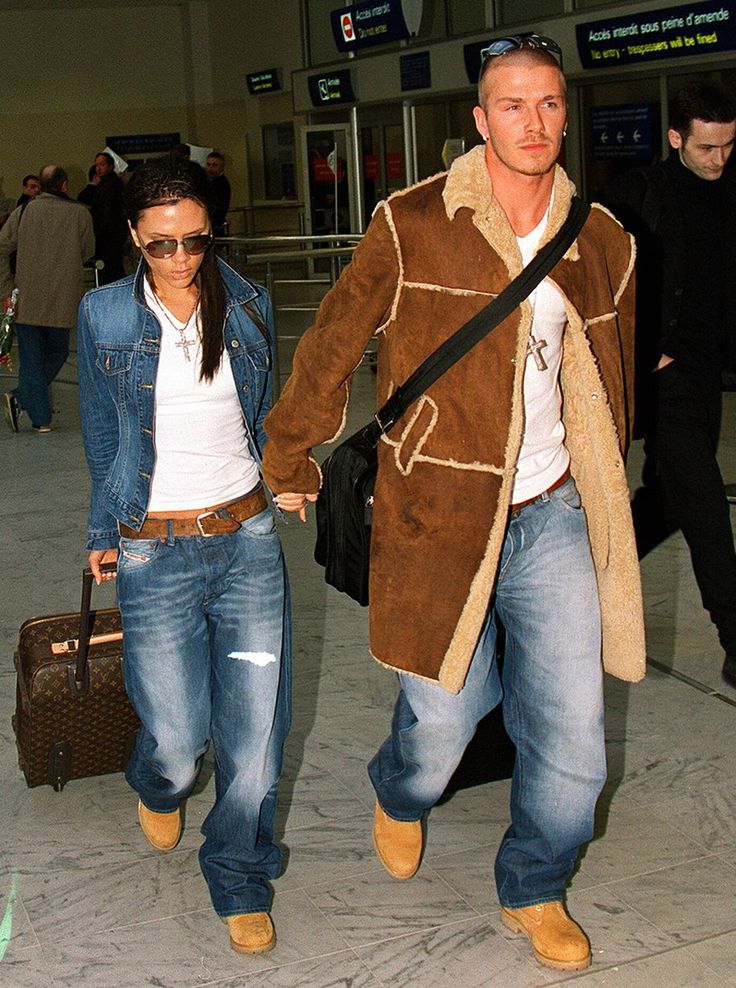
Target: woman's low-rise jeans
{"type": "Point", "coordinates": [207, 655]}
{"type": "Point", "coordinates": [552, 694]}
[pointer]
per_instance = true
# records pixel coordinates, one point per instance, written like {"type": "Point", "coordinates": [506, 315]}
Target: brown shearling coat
{"type": "Point", "coordinates": [433, 255]}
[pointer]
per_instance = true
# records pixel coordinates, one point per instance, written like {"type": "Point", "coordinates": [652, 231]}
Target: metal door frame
{"type": "Point", "coordinates": [348, 132]}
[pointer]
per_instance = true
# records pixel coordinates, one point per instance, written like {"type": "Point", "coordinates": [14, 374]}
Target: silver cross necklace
{"type": "Point", "coordinates": [535, 346]}
{"type": "Point", "coordinates": [534, 349]}
{"type": "Point", "coordinates": [183, 343]}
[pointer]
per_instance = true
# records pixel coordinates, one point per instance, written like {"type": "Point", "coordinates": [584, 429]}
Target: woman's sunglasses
{"type": "Point", "coordinates": [501, 46]}
{"type": "Point", "coordinates": [167, 248]}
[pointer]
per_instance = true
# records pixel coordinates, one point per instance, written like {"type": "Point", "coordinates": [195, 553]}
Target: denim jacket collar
{"type": "Point", "coordinates": [237, 288]}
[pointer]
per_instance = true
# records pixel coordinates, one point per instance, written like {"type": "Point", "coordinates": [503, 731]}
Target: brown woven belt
{"type": "Point", "coordinates": [553, 487]}
{"type": "Point", "coordinates": [220, 520]}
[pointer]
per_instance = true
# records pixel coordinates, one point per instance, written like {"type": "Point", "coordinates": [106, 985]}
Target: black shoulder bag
{"type": "Point", "coordinates": [345, 502]}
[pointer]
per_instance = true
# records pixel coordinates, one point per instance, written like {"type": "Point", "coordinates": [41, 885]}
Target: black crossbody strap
{"type": "Point", "coordinates": [465, 338]}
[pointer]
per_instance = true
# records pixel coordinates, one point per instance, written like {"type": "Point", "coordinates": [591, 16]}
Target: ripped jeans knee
{"type": "Point", "coordinates": [207, 659]}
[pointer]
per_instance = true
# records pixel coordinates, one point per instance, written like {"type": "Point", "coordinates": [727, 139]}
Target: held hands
{"type": "Point", "coordinates": [295, 502]}
{"type": "Point", "coordinates": [96, 558]}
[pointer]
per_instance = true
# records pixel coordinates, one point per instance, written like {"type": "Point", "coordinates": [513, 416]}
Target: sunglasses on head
{"type": "Point", "coordinates": [167, 248]}
{"type": "Point", "coordinates": [501, 46]}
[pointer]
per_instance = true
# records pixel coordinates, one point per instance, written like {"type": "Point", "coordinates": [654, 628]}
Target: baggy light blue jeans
{"type": "Point", "coordinates": [207, 656]}
{"type": "Point", "coordinates": [552, 694]}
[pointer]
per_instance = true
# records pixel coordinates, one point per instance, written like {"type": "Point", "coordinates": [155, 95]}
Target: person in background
{"type": "Point", "coordinates": [51, 237]}
{"type": "Point", "coordinates": [501, 494]}
{"type": "Point", "coordinates": [180, 152]}
{"type": "Point", "coordinates": [111, 231]}
{"type": "Point", "coordinates": [220, 190]}
{"type": "Point", "coordinates": [183, 351]}
{"type": "Point", "coordinates": [89, 192]}
{"type": "Point", "coordinates": [30, 188]}
{"type": "Point", "coordinates": [683, 213]}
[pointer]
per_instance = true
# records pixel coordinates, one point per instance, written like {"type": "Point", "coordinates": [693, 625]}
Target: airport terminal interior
{"type": "Point", "coordinates": [85, 902]}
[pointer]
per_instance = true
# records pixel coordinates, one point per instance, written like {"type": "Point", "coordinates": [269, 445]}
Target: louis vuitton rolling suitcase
{"type": "Point", "coordinates": [72, 717]}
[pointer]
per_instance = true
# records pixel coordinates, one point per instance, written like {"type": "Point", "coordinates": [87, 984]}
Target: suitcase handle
{"type": "Point", "coordinates": [81, 671]}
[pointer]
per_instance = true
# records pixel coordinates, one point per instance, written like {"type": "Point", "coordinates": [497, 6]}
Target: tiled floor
{"type": "Point", "coordinates": [85, 903]}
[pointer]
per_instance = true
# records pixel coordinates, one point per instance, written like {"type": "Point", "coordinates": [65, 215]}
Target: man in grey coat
{"type": "Point", "coordinates": [52, 237]}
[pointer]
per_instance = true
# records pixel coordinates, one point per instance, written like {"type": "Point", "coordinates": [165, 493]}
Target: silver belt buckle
{"type": "Point", "coordinates": [198, 519]}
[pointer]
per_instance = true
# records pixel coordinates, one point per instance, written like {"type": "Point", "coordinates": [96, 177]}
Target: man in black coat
{"type": "Point", "coordinates": [30, 189]}
{"type": "Point", "coordinates": [89, 193]}
{"type": "Point", "coordinates": [683, 214]}
{"type": "Point", "coordinates": [220, 190]}
{"type": "Point", "coordinates": [111, 230]}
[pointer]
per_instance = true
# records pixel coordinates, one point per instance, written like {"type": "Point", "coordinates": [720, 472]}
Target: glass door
{"type": "Point", "coordinates": [329, 181]}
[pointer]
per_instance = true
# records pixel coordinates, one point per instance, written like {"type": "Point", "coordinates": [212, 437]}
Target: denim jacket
{"type": "Point", "coordinates": [118, 351]}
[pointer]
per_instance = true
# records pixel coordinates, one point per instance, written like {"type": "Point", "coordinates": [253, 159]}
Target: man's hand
{"type": "Point", "coordinates": [295, 502]}
{"type": "Point", "coordinates": [99, 556]}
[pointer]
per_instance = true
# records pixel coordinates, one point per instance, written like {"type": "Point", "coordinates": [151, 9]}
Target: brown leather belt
{"type": "Point", "coordinates": [220, 520]}
{"type": "Point", "coordinates": [553, 487]}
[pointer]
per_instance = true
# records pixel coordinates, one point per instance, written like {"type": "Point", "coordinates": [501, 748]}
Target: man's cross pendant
{"type": "Point", "coordinates": [535, 349]}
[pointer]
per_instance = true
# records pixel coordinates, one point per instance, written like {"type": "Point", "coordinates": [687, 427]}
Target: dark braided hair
{"type": "Point", "coordinates": [164, 182]}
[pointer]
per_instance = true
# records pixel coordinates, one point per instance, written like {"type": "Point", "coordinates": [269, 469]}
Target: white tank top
{"type": "Point", "coordinates": [202, 454]}
{"type": "Point", "coordinates": [542, 457]}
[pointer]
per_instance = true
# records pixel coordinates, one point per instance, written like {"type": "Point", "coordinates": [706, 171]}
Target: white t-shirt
{"type": "Point", "coordinates": [202, 454]}
{"type": "Point", "coordinates": [542, 457]}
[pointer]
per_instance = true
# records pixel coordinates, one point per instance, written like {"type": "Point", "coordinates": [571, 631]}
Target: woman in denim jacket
{"type": "Point", "coordinates": [175, 379]}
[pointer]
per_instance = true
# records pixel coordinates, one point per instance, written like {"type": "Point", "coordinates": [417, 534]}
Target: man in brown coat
{"type": "Point", "coordinates": [501, 495]}
{"type": "Point", "coordinates": [53, 237]}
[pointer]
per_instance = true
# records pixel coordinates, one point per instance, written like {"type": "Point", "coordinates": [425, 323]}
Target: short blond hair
{"type": "Point", "coordinates": [530, 56]}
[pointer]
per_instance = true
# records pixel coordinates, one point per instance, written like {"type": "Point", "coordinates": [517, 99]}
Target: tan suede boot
{"type": "Point", "coordinates": [162, 830]}
{"type": "Point", "coordinates": [251, 933]}
{"type": "Point", "coordinates": [557, 940]}
{"type": "Point", "coordinates": [398, 844]}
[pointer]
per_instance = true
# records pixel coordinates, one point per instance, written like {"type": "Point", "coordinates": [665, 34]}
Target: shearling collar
{"type": "Point", "coordinates": [469, 186]}
{"type": "Point", "coordinates": [468, 183]}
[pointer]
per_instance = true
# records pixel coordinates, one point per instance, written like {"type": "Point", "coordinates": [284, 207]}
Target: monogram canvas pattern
{"type": "Point", "coordinates": [95, 727]}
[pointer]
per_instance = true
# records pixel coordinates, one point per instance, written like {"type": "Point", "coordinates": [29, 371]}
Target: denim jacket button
{"type": "Point", "coordinates": [246, 389]}
{"type": "Point", "coordinates": [235, 344]}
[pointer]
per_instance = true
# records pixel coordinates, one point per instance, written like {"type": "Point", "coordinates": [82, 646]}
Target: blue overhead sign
{"type": "Point", "coordinates": [415, 71]}
{"type": "Point", "coordinates": [142, 143]}
{"type": "Point", "coordinates": [669, 32]}
{"type": "Point", "coordinates": [377, 23]}
{"type": "Point", "coordinates": [623, 131]}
